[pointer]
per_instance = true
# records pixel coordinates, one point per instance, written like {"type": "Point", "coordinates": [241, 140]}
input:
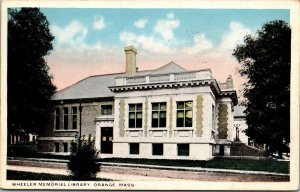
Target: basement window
{"type": "Point", "coordinates": [134, 148]}
{"type": "Point", "coordinates": [56, 147]}
{"type": "Point", "coordinates": [65, 147]}
{"type": "Point", "coordinates": [183, 149]}
{"type": "Point", "coordinates": [157, 149]}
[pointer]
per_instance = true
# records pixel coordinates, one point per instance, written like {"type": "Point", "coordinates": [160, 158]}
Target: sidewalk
{"type": "Point", "coordinates": [112, 176]}
{"type": "Point", "coordinates": [177, 168]}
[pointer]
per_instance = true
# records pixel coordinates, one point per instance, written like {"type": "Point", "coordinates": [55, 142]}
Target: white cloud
{"type": "Point", "coordinates": [148, 43]}
{"type": "Point", "coordinates": [73, 37]}
{"type": "Point", "coordinates": [234, 36]}
{"type": "Point", "coordinates": [201, 44]}
{"type": "Point", "coordinates": [99, 23]}
{"type": "Point", "coordinates": [165, 27]}
{"type": "Point", "coordinates": [73, 34]}
{"type": "Point", "coordinates": [141, 23]}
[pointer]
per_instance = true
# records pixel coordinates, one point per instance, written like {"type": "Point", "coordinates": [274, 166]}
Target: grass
{"type": "Point", "coordinates": [22, 175]}
{"type": "Point", "coordinates": [219, 163]}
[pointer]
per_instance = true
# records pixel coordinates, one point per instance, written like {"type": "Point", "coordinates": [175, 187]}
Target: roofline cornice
{"type": "Point", "coordinates": [212, 83]}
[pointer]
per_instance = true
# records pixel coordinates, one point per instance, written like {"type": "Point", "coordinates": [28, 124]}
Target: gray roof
{"type": "Point", "coordinates": [239, 111]}
{"type": "Point", "coordinates": [97, 86]}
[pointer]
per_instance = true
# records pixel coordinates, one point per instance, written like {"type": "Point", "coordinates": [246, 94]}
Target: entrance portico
{"type": "Point", "coordinates": [104, 134]}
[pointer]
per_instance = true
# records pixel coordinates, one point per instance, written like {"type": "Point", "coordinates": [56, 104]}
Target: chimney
{"type": "Point", "coordinates": [130, 52]}
{"type": "Point", "coordinates": [229, 82]}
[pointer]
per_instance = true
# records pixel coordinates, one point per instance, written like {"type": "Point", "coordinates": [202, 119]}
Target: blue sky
{"type": "Point", "coordinates": [212, 22]}
{"type": "Point", "coordinates": [93, 40]}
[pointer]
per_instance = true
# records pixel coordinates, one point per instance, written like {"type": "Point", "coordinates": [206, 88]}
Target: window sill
{"type": "Point", "coordinates": [184, 129]}
{"type": "Point", "coordinates": [134, 129]}
{"type": "Point", "coordinates": [158, 129]}
{"type": "Point", "coordinates": [65, 130]}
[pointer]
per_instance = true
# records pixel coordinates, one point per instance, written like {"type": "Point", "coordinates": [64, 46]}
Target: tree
{"type": "Point", "coordinates": [29, 84]}
{"type": "Point", "coordinates": [83, 160]}
{"type": "Point", "coordinates": [266, 61]}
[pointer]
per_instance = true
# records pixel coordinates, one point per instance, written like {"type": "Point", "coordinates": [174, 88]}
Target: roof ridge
{"type": "Point", "coordinates": [171, 62]}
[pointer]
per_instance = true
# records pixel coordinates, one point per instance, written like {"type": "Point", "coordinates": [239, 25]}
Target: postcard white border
{"type": "Point", "coordinates": [292, 5]}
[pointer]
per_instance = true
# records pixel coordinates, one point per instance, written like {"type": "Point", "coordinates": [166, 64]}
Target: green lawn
{"type": "Point", "coordinates": [21, 175]}
{"type": "Point", "coordinates": [238, 164]}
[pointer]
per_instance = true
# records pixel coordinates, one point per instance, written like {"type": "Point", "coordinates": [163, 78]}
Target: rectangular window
{"type": "Point", "coordinates": [65, 147]}
{"type": "Point", "coordinates": [135, 115]}
{"type": "Point", "coordinates": [57, 118]}
{"type": "Point", "coordinates": [134, 148]}
{"type": "Point", "coordinates": [157, 149]}
{"type": "Point", "coordinates": [74, 117]}
{"type": "Point", "coordinates": [56, 147]}
{"type": "Point", "coordinates": [66, 117]}
{"type": "Point", "coordinates": [159, 114]}
{"type": "Point", "coordinates": [213, 117]}
{"type": "Point", "coordinates": [184, 114]}
{"type": "Point", "coordinates": [183, 149]}
{"type": "Point", "coordinates": [106, 109]}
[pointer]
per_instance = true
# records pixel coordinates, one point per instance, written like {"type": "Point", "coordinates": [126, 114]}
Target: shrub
{"type": "Point", "coordinates": [83, 160]}
{"type": "Point", "coordinates": [22, 150]}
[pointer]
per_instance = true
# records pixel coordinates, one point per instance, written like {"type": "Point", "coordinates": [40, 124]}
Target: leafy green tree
{"type": "Point", "coordinates": [83, 160]}
{"type": "Point", "coordinates": [266, 61]}
{"type": "Point", "coordinates": [29, 84]}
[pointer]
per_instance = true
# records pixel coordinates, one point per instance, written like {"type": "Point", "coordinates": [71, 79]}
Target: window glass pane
{"type": "Point", "coordinates": [56, 146]}
{"type": "Point", "coordinates": [74, 123]}
{"type": "Point", "coordinates": [74, 110]}
{"type": "Point", "coordinates": [154, 106]}
{"type": "Point", "coordinates": [139, 107]}
{"type": "Point", "coordinates": [134, 148]}
{"type": "Point", "coordinates": [180, 105]}
{"type": "Point", "coordinates": [138, 123]}
{"type": "Point", "coordinates": [163, 106]}
{"type": "Point", "coordinates": [179, 122]}
{"type": "Point", "coordinates": [131, 115]}
{"type": "Point", "coordinates": [106, 109]}
{"type": "Point", "coordinates": [188, 114]}
{"type": "Point", "coordinates": [162, 114]}
{"type": "Point", "coordinates": [66, 119]}
{"type": "Point", "coordinates": [139, 115]}
{"type": "Point", "coordinates": [183, 149]}
{"type": "Point", "coordinates": [162, 122]}
{"type": "Point", "coordinates": [180, 114]}
{"type": "Point", "coordinates": [65, 147]}
{"type": "Point", "coordinates": [157, 149]}
{"type": "Point", "coordinates": [131, 123]}
{"type": "Point", "coordinates": [188, 122]}
{"type": "Point", "coordinates": [131, 107]}
{"type": "Point", "coordinates": [154, 122]}
{"type": "Point", "coordinates": [189, 105]}
{"type": "Point", "coordinates": [66, 111]}
{"type": "Point", "coordinates": [155, 115]}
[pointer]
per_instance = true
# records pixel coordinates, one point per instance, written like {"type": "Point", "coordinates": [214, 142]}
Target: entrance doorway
{"type": "Point", "coordinates": [221, 150]}
{"type": "Point", "coordinates": [106, 140]}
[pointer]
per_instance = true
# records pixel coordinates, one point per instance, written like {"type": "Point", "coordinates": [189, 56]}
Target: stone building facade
{"type": "Point", "coordinates": [167, 113]}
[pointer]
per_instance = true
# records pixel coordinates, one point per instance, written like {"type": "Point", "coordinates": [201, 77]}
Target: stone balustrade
{"type": "Point", "coordinates": [162, 78]}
